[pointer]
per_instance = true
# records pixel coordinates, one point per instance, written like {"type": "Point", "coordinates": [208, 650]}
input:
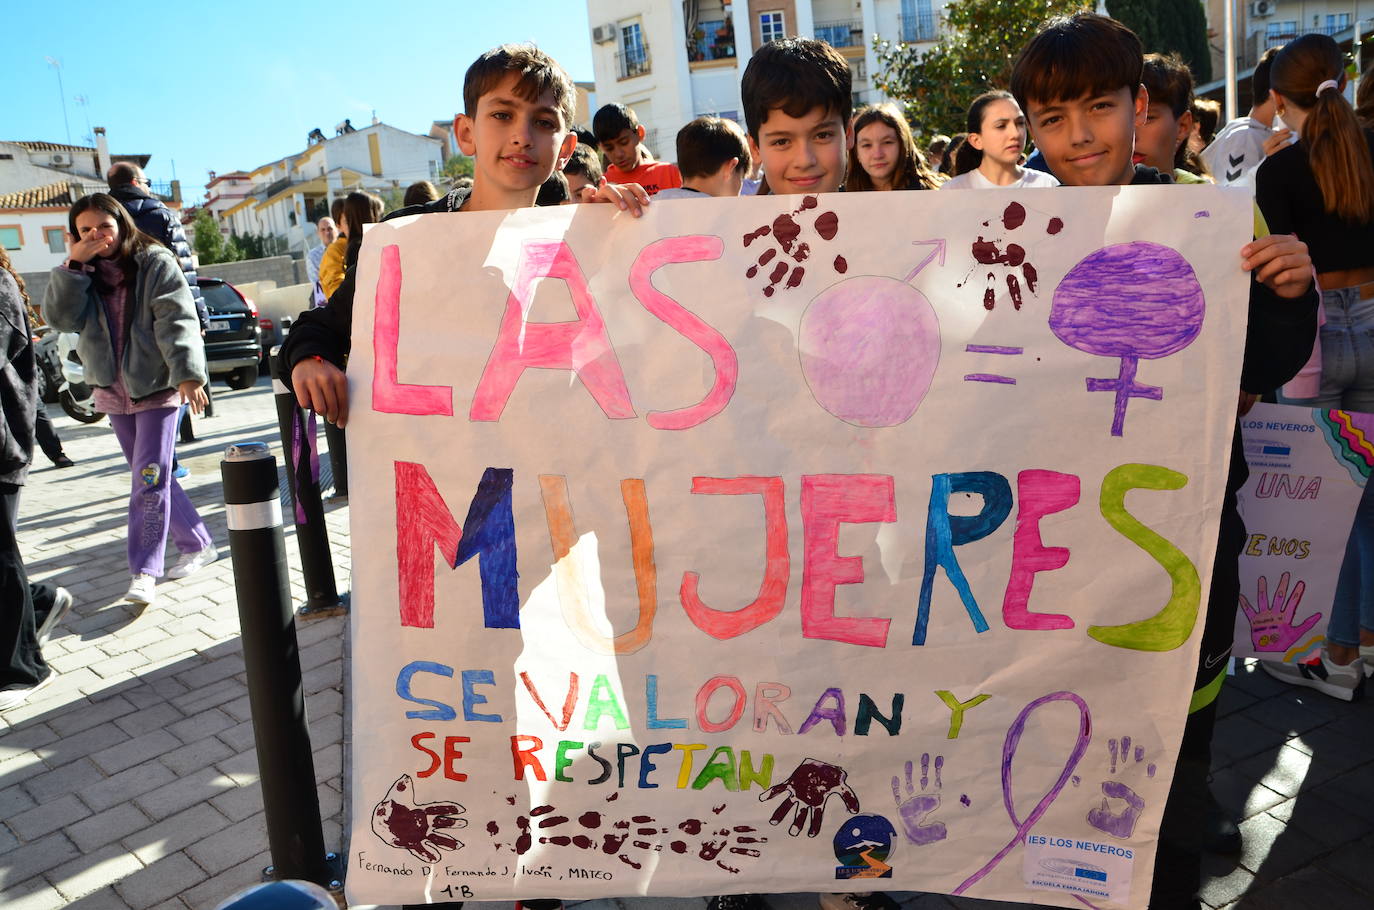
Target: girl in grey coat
{"type": "Point", "coordinates": [125, 296]}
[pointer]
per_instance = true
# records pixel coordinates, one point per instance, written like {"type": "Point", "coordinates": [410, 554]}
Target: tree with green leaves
{"type": "Point", "coordinates": [456, 166]}
{"type": "Point", "coordinates": [210, 245]}
{"type": "Point", "coordinates": [1169, 25]}
{"type": "Point", "coordinates": [980, 42]}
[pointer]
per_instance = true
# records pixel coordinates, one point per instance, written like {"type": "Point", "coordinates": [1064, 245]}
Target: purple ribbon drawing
{"type": "Point", "coordinates": [1018, 727]}
{"type": "Point", "coordinates": [1130, 300]}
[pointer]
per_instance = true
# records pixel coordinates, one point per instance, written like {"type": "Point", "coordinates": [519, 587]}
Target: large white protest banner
{"type": "Point", "coordinates": [785, 543]}
{"type": "Point", "coordinates": [1308, 468]}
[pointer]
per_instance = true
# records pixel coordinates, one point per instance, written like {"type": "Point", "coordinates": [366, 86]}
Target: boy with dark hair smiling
{"type": "Point", "coordinates": [1079, 82]}
{"type": "Point", "coordinates": [518, 106]}
{"type": "Point", "coordinates": [797, 99]}
{"type": "Point", "coordinates": [621, 137]}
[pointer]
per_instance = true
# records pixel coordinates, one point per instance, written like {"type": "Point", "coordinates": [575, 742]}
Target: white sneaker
{"type": "Point", "coordinates": [191, 563]}
{"type": "Point", "coordinates": [1367, 656]}
{"type": "Point", "coordinates": [1345, 682]}
{"type": "Point", "coordinates": [141, 590]}
{"type": "Point", "coordinates": [12, 698]}
{"type": "Point", "coordinates": [61, 603]}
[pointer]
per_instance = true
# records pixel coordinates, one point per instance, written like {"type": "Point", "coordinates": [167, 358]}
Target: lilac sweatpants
{"type": "Point", "coordinates": [156, 500]}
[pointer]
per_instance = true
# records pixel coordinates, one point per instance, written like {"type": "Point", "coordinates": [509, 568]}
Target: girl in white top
{"type": "Point", "coordinates": [990, 158]}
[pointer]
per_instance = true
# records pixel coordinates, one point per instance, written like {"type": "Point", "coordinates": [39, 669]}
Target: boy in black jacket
{"type": "Point", "coordinates": [518, 108]}
{"type": "Point", "coordinates": [1078, 81]}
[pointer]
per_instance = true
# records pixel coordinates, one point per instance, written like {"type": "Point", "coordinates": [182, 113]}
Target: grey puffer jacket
{"type": "Point", "coordinates": [162, 346]}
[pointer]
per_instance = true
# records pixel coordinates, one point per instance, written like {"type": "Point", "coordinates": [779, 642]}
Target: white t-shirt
{"type": "Point", "coordinates": [974, 180]}
{"type": "Point", "coordinates": [1236, 151]}
{"type": "Point", "coordinates": [680, 192]}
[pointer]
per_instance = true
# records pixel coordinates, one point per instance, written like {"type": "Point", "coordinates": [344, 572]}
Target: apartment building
{"type": "Point", "coordinates": [284, 198]}
{"type": "Point", "coordinates": [676, 60]}
{"type": "Point", "coordinates": [1273, 23]}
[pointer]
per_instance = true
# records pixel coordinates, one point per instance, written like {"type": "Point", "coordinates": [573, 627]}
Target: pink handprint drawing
{"type": "Point", "coordinates": [808, 787]}
{"type": "Point", "coordinates": [414, 827]}
{"type": "Point", "coordinates": [1271, 625]}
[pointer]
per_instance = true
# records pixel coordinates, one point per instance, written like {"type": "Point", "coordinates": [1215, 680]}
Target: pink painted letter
{"type": "Point", "coordinates": [653, 257]}
{"type": "Point", "coordinates": [581, 345]}
{"type": "Point", "coordinates": [389, 395]}
{"type": "Point", "coordinates": [778, 566]}
{"type": "Point", "coordinates": [1040, 493]}
{"type": "Point", "coordinates": [826, 501]}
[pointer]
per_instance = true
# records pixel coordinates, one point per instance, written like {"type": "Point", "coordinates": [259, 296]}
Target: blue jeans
{"type": "Point", "coordinates": [1347, 342]}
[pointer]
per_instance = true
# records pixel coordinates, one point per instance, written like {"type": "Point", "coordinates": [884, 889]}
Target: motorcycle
{"type": "Point", "coordinates": [64, 372]}
{"type": "Point", "coordinates": [49, 366]}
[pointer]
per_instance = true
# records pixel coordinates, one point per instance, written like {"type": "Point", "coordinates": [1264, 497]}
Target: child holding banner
{"type": "Point", "coordinates": [1322, 189]}
{"type": "Point", "coordinates": [518, 107]}
{"type": "Point", "coordinates": [1078, 81]}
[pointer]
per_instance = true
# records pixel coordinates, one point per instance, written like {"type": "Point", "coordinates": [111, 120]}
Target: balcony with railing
{"type": "Point", "coordinates": [712, 39]}
{"type": "Point", "coordinates": [920, 27]}
{"type": "Point", "coordinates": [632, 61]}
{"type": "Point", "coordinates": [841, 33]}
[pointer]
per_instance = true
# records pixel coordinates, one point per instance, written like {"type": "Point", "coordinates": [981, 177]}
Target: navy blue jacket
{"type": "Point", "coordinates": [155, 219]}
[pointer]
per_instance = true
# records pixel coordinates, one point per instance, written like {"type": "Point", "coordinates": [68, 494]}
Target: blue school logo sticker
{"type": "Point", "coordinates": [862, 845]}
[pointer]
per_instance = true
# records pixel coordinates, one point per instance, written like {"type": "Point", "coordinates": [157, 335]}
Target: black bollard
{"type": "Point", "coordinates": [252, 505]}
{"type": "Point", "coordinates": [303, 480]}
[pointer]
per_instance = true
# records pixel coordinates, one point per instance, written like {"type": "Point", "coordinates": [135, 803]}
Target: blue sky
{"type": "Point", "coordinates": [232, 86]}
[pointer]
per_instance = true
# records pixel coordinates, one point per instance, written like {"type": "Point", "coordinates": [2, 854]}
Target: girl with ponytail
{"type": "Point", "coordinates": [1322, 189]}
{"type": "Point", "coordinates": [990, 157]}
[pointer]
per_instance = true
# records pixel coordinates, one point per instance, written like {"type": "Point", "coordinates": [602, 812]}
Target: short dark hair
{"type": "Point", "coordinates": [419, 192]}
{"type": "Point", "coordinates": [709, 142]}
{"type": "Point", "coordinates": [121, 173]}
{"type": "Point", "coordinates": [612, 120]}
{"type": "Point", "coordinates": [795, 75]}
{"type": "Point", "coordinates": [1169, 81]}
{"type": "Point", "coordinates": [553, 191]}
{"type": "Point", "coordinates": [1207, 113]}
{"type": "Point", "coordinates": [1259, 80]}
{"type": "Point", "coordinates": [585, 163]}
{"type": "Point", "coordinates": [1075, 56]}
{"type": "Point", "coordinates": [538, 73]}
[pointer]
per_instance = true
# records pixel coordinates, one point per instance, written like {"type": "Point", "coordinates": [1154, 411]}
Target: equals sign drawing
{"type": "Point", "coordinates": [991, 349]}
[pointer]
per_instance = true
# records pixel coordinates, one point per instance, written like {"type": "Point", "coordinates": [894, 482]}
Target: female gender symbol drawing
{"type": "Point", "coordinates": [1129, 300]}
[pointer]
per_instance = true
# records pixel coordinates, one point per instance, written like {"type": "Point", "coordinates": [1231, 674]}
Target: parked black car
{"type": "Point", "coordinates": [233, 345]}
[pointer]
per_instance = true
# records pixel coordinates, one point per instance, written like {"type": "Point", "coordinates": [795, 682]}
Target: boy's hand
{"type": "Point", "coordinates": [1277, 140]}
{"type": "Point", "coordinates": [1281, 262]}
{"type": "Point", "coordinates": [321, 387]}
{"type": "Point", "coordinates": [630, 197]}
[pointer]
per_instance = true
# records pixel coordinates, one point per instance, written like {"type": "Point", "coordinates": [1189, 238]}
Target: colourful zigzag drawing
{"type": "Point", "coordinates": [1349, 441]}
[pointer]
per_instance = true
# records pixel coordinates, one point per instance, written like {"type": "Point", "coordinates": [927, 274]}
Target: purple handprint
{"type": "Point", "coordinates": [810, 784]}
{"type": "Point", "coordinates": [401, 822]}
{"type": "Point", "coordinates": [918, 806]}
{"type": "Point", "coordinates": [1102, 818]}
{"type": "Point", "coordinates": [1271, 626]}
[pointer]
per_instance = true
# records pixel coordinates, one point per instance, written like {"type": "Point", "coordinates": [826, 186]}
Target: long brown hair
{"type": "Point", "coordinates": [911, 172]}
{"type": "Point", "coordinates": [9, 267]}
{"type": "Point", "coordinates": [359, 209]}
{"type": "Point", "coordinates": [1337, 150]}
{"type": "Point", "coordinates": [968, 158]}
{"type": "Point", "coordinates": [132, 241]}
{"type": "Point", "coordinates": [1364, 99]}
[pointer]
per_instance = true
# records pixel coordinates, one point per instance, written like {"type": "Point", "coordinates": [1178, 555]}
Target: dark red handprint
{"type": "Point", "coordinates": [807, 788]}
{"type": "Point", "coordinates": [414, 827]}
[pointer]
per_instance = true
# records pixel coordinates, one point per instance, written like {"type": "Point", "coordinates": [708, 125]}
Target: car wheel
{"type": "Point", "coordinates": [83, 412]}
{"type": "Point", "coordinates": [242, 377]}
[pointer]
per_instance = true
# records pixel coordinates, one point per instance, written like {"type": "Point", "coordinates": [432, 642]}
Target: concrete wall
{"type": "Point", "coordinates": [280, 269]}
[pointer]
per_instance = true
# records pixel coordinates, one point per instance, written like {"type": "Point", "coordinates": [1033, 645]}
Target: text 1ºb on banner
{"type": "Point", "coordinates": [784, 543]}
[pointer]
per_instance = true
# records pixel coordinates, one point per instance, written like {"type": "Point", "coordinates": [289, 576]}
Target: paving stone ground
{"type": "Point", "coordinates": [131, 781]}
